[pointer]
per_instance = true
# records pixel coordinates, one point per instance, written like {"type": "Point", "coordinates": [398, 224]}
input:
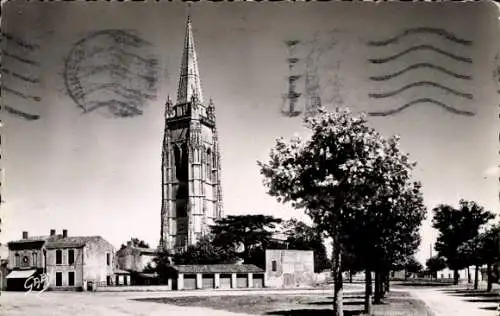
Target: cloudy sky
{"type": "Point", "coordinates": [98, 172]}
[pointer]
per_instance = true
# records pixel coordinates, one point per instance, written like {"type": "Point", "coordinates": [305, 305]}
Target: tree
{"type": "Point", "coordinates": [344, 175]}
{"type": "Point", "coordinates": [468, 253]}
{"type": "Point", "coordinates": [435, 264]}
{"type": "Point", "coordinates": [253, 232]}
{"type": "Point", "coordinates": [413, 266]}
{"type": "Point", "coordinates": [457, 226]}
{"type": "Point", "coordinates": [162, 265]}
{"type": "Point", "coordinates": [136, 242]}
{"type": "Point", "coordinates": [204, 252]}
{"type": "Point", "coordinates": [489, 252]}
{"type": "Point", "coordinates": [301, 236]}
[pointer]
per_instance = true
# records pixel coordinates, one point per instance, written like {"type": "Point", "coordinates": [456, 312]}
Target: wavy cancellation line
{"type": "Point", "coordinates": [20, 42]}
{"type": "Point", "coordinates": [429, 30]}
{"type": "Point", "coordinates": [20, 94]}
{"type": "Point", "coordinates": [21, 114]}
{"type": "Point", "coordinates": [421, 84]}
{"type": "Point", "coordinates": [421, 47]}
{"type": "Point", "coordinates": [418, 66]}
{"type": "Point", "coordinates": [421, 100]}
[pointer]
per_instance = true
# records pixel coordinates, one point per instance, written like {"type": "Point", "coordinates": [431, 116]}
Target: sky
{"type": "Point", "coordinates": [97, 172]}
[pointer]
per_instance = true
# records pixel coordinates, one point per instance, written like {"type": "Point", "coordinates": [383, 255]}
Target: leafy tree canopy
{"type": "Point", "coordinates": [250, 231]}
{"type": "Point", "coordinates": [136, 242]}
{"type": "Point", "coordinates": [413, 265]}
{"type": "Point", "coordinates": [435, 264]}
{"type": "Point", "coordinates": [205, 252]}
{"type": "Point", "coordinates": [457, 229]}
{"type": "Point", "coordinates": [354, 183]}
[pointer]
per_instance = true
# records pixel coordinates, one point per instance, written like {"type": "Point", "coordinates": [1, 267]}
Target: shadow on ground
{"type": "Point", "coordinates": [311, 312]}
{"type": "Point", "coordinates": [488, 300]}
{"type": "Point", "coordinates": [489, 308]}
{"type": "Point", "coordinates": [345, 303]}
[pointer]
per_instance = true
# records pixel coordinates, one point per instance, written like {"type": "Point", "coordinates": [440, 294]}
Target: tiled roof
{"type": "Point", "coordinates": [70, 241]}
{"type": "Point", "coordinates": [136, 250]}
{"type": "Point", "coordinates": [58, 241]}
{"type": "Point", "coordinates": [29, 239]}
{"type": "Point", "coordinates": [218, 268]}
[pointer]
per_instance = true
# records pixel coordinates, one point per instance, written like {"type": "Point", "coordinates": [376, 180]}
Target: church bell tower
{"type": "Point", "coordinates": [191, 171]}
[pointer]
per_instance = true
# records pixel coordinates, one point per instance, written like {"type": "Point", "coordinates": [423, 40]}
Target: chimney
{"type": "Point", "coordinates": [65, 233]}
{"type": "Point", "coordinates": [52, 232]}
{"type": "Point", "coordinates": [25, 235]}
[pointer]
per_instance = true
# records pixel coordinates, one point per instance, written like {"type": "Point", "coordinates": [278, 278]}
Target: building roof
{"type": "Point", "coordinates": [136, 250]}
{"type": "Point", "coordinates": [218, 268]}
{"type": "Point", "coordinates": [52, 242]}
{"type": "Point", "coordinates": [119, 271]}
{"type": "Point", "coordinates": [70, 241]}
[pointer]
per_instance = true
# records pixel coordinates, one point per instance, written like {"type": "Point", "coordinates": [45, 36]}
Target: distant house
{"type": "Point", "coordinates": [289, 268]}
{"type": "Point", "coordinates": [134, 260]}
{"type": "Point", "coordinates": [69, 262]}
{"type": "Point", "coordinates": [223, 276]}
{"type": "Point", "coordinates": [447, 274]}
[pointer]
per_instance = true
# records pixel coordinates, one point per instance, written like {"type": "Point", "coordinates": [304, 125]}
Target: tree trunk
{"type": "Point", "coordinates": [377, 298]}
{"type": "Point", "coordinates": [368, 292]}
{"type": "Point", "coordinates": [455, 277]}
{"type": "Point", "coordinates": [468, 275]}
{"type": "Point", "coordinates": [406, 274]}
{"type": "Point", "coordinates": [476, 278]}
{"type": "Point", "coordinates": [490, 278]}
{"type": "Point", "coordinates": [337, 279]}
{"type": "Point", "coordinates": [387, 283]}
{"type": "Point", "coordinates": [350, 276]}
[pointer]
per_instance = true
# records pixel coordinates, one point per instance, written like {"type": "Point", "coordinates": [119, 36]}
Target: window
{"type": "Point", "coordinates": [274, 266]}
{"type": "Point", "coordinates": [209, 165]}
{"type": "Point", "coordinates": [58, 256]}
{"type": "Point", "coordinates": [34, 259]}
{"type": "Point", "coordinates": [58, 278]}
{"type": "Point", "coordinates": [71, 256]}
{"type": "Point", "coordinates": [71, 278]}
{"type": "Point", "coordinates": [26, 261]}
{"type": "Point", "coordinates": [108, 259]}
{"type": "Point", "coordinates": [18, 260]}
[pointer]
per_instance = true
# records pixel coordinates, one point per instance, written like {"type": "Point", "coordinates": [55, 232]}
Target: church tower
{"type": "Point", "coordinates": [191, 170]}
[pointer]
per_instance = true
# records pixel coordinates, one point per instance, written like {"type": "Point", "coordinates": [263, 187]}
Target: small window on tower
{"type": "Point", "coordinates": [209, 164]}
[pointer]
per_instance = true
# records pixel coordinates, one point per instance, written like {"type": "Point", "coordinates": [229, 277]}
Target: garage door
{"type": "Point", "coordinates": [190, 281]}
{"type": "Point", "coordinates": [225, 281]}
{"type": "Point", "coordinates": [258, 280]}
{"type": "Point", "coordinates": [208, 281]}
{"type": "Point", "coordinates": [242, 280]}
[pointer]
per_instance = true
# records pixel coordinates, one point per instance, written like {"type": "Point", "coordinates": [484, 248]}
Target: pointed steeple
{"type": "Point", "coordinates": [189, 81]}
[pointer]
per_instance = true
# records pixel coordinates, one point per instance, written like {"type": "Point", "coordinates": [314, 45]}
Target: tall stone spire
{"type": "Point", "coordinates": [189, 81]}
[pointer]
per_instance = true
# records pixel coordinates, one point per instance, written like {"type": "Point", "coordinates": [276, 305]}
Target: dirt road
{"type": "Point", "coordinates": [446, 302]}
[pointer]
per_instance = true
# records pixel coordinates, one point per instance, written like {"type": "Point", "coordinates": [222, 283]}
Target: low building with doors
{"type": "Point", "coordinates": [66, 262]}
{"type": "Point", "coordinates": [289, 268]}
{"type": "Point", "coordinates": [217, 276]}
